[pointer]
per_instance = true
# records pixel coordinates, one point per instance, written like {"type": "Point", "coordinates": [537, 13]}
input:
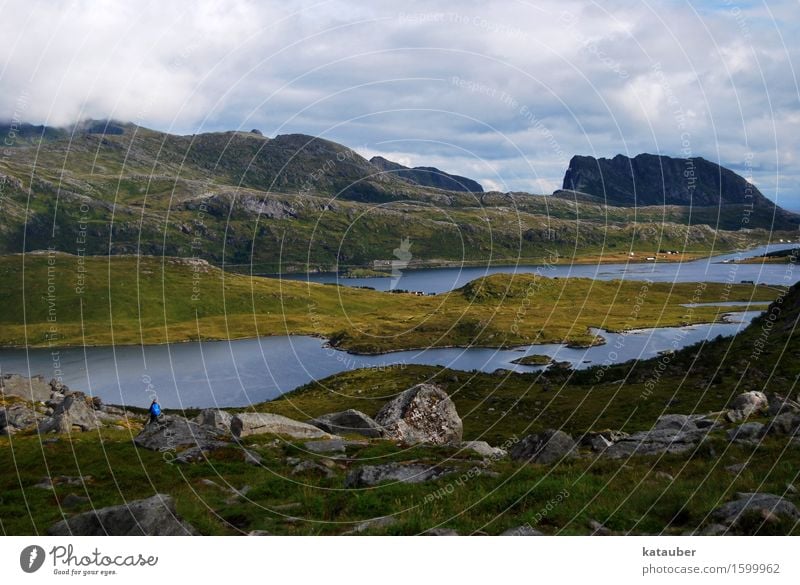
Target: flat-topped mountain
{"type": "Point", "coordinates": [427, 176]}
{"type": "Point", "coordinates": [649, 179]}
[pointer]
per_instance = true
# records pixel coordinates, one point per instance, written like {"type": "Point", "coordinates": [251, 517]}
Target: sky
{"type": "Point", "coordinates": [505, 92]}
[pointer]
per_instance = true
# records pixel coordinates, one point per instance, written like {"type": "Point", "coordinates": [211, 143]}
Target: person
{"type": "Point", "coordinates": [155, 411]}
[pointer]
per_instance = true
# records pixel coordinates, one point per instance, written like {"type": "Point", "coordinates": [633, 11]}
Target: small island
{"type": "Point", "coordinates": [533, 360]}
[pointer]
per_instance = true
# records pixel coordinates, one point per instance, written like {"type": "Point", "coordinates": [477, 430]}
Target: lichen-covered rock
{"type": "Point", "coordinates": [259, 423]}
{"type": "Point", "coordinates": [546, 447]}
{"type": "Point", "coordinates": [347, 422]}
{"type": "Point", "coordinates": [421, 414]}
{"type": "Point", "coordinates": [74, 413]}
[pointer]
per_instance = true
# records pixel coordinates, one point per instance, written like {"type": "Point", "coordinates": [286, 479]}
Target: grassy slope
{"type": "Point", "coordinates": [150, 300]}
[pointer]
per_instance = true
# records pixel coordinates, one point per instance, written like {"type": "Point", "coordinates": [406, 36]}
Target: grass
{"type": "Point", "coordinates": [126, 300]}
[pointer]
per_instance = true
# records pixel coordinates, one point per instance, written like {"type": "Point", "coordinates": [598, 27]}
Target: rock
{"type": "Point", "coordinates": [154, 516]}
{"type": "Point", "coordinates": [199, 453]}
{"type": "Point", "coordinates": [780, 404]}
{"type": "Point", "coordinates": [215, 419]}
{"type": "Point", "coordinates": [252, 458]}
{"type": "Point", "coordinates": [748, 433]}
{"type": "Point", "coordinates": [656, 442]}
{"type": "Point", "coordinates": [546, 447]}
{"type": "Point", "coordinates": [440, 532]}
{"type": "Point", "coordinates": [33, 389]}
{"type": "Point", "coordinates": [524, 530]}
{"type": "Point", "coordinates": [74, 413]}
{"type": "Point", "coordinates": [736, 468]}
{"type": "Point", "coordinates": [421, 414]}
{"type": "Point", "coordinates": [258, 423]}
{"type": "Point", "coordinates": [18, 417]}
{"type": "Point", "coordinates": [337, 446]}
{"type": "Point", "coordinates": [787, 423]}
{"type": "Point", "coordinates": [484, 449]}
{"type": "Point", "coordinates": [348, 422]}
{"type": "Point", "coordinates": [750, 402]}
{"type": "Point", "coordinates": [663, 475]}
{"type": "Point", "coordinates": [598, 529]}
{"type": "Point", "coordinates": [674, 421]}
{"type": "Point", "coordinates": [259, 533]}
{"type": "Point", "coordinates": [373, 524]}
{"type": "Point", "coordinates": [73, 501]}
{"type": "Point", "coordinates": [768, 507]}
{"type": "Point", "coordinates": [599, 441]}
{"type": "Point", "coordinates": [174, 432]}
{"type": "Point", "coordinates": [312, 467]}
{"type": "Point", "coordinates": [790, 489]}
{"type": "Point", "coordinates": [369, 475]}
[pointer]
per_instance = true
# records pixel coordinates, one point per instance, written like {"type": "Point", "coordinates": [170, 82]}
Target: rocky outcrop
{"type": "Point", "coordinates": [787, 424]}
{"type": "Point", "coordinates": [348, 422]}
{"type": "Point", "coordinates": [33, 389]}
{"type": "Point", "coordinates": [370, 475]}
{"type": "Point", "coordinates": [260, 423]}
{"type": "Point", "coordinates": [427, 176]}
{"type": "Point", "coordinates": [154, 516]}
{"type": "Point", "coordinates": [19, 417]}
{"type": "Point", "coordinates": [214, 418]}
{"type": "Point", "coordinates": [674, 433]}
{"type": "Point", "coordinates": [749, 511]}
{"type": "Point", "coordinates": [747, 433]}
{"type": "Point", "coordinates": [421, 414]}
{"type": "Point", "coordinates": [172, 433]}
{"type": "Point", "coordinates": [74, 413]}
{"type": "Point", "coordinates": [546, 447]}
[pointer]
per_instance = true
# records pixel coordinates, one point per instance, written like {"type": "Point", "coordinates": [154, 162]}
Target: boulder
{"type": "Point", "coordinates": [33, 389]}
{"type": "Point", "coordinates": [347, 422]}
{"type": "Point", "coordinates": [199, 453]}
{"type": "Point", "coordinates": [484, 449]}
{"type": "Point", "coordinates": [747, 433]}
{"type": "Point", "coordinates": [767, 507]}
{"type": "Point", "coordinates": [545, 447]}
{"type": "Point", "coordinates": [175, 432]}
{"type": "Point", "coordinates": [599, 441]}
{"type": "Point", "coordinates": [18, 417]}
{"type": "Point", "coordinates": [215, 419]}
{"type": "Point", "coordinates": [74, 413]}
{"type": "Point", "coordinates": [331, 446]}
{"type": "Point", "coordinates": [421, 414]}
{"type": "Point", "coordinates": [780, 404]}
{"type": "Point", "coordinates": [373, 524]}
{"type": "Point", "coordinates": [656, 442]}
{"type": "Point", "coordinates": [787, 423]}
{"type": "Point", "coordinates": [524, 530]}
{"type": "Point", "coordinates": [369, 475]}
{"type": "Point", "coordinates": [750, 402]}
{"type": "Point", "coordinates": [154, 516]}
{"type": "Point", "coordinates": [259, 423]}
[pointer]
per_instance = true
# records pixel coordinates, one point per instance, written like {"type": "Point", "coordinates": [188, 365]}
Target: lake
{"type": "Point", "coordinates": [714, 269]}
{"type": "Point", "coordinates": [242, 372]}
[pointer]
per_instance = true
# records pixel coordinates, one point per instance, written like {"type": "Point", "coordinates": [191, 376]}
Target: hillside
{"type": "Point", "coordinates": [649, 179]}
{"type": "Point", "coordinates": [427, 176]}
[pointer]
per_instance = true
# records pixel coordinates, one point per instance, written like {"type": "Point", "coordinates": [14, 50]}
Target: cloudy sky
{"type": "Point", "coordinates": [505, 92]}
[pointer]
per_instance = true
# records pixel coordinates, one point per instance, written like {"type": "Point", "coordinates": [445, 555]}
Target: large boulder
{"type": "Point", "coordinates": [545, 447]}
{"type": "Point", "coordinates": [760, 507]}
{"type": "Point", "coordinates": [747, 433]}
{"type": "Point", "coordinates": [348, 422]}
{"type": "Point", "coordinates": [657, 442]}
{"type": "Point", "coordinates": [484, 449]}
{"type": "Point", "coordinates": [154, 516]}
{"type": "Point", "coordinates": [172, 433]}
{"type": "Point", "coordinates": [18, 417]}
{"type": "Point", "coordinates": [259, 423]}
{"type": "Point", "coordinates": [369, 475]}
{"type": "Point", "coordinates": [215, 419]}
{"type": "Point", "coordinates": [33, 389]}
{"type": "Point", "coordinates": [421, 414]}
{"type": "Point", "coordinates": [74, 413]}
{"type": "Point", "coordinates": [750, 402]}
{"type": "Point", "coordinates": [787, 423]}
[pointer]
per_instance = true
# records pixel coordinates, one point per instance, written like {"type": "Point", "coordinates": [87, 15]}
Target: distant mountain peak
{"type": "Point", "coordinates": [427, 176]}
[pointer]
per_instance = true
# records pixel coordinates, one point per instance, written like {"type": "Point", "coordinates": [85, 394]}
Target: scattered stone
{"type": "Point", "coordinates": [656, 442]}
{"type": "Point", "coordinates": [312, 467]}
{"type": "Point", "coordinates": [348, 422]}
{"type": "Point", "coordinates": [252, 458]}
{"type": "Point", "coordinates": [524, 530]}
{"type": "Point", "coordinates": [373, 524]}
{"type": "Point", "coordinates": [257, 423]}
{"type": "Point", "coordinates": [33, 389]}
{"type": "Point", "coordinates": [769, 507]}
{"type": "Point", "coordinates": [422, 414]}
{"type": "Point", "coordinates": [329, 446]}
{"type": "Point", "coordinates": [599, 441]}
{"type": "Point", "coordinates": [440, 532]}
{"type": "Point", "coordinates": [484, 449]}
{"type": "Point", "coordinates": [18, 417]}
{"type": "Point", "coordinates": [198, 454]}
{"type": "Point", "coordinates": [259, 533]}
{"type": "Point", "coordinates": [219, 420]}
{"type": "Point", "coordinates": [790, 489]}
{"type": "Point", "coordinates": [74, 413]}
{"type": "Point", "coordinates": [546, 447]}
{"type": "Point", "coordinates": [747, 433]}
{"type": "Point", "coordinates": [370, 475]}
{"type": "Point", "coordinates": [210, 483]}
{"type": "Point", "coordinates": [175, 432]}
{"type": "Point", "coordinates": [154, 516]}
{"type": "Point", "coordinates": [663, 475]}
{"type": "Point", "coordinates": [736, 468]}
{"type": "Point", "coordinates": [780, 404]}
{"type": "Point", "coordinates": [599, 529]}
{"type": "Point", "coordinates": [787, 423]}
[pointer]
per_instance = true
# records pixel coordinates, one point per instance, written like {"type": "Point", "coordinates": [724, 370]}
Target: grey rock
{"type": "Point", "coordinates": [675, 421]}
{"type": "Point", "coordinates": [373, 524]}
{"type": "Point", "coordinates": [174, 432]}
{"type": "Point", "coordinates": [347, 422]}
{"type": "Point", "coordinates": [215, 419]}
{"type": "Point", "coordinates": [546, 447]}
{"type": "Point", "coordinates": [780, 404]}
{"type": "Point", "coordinates": [748, 433]}
{"type": "Point", "coordinates": [336, 446]}
{"type": "Point", "coordinates": [736, 468]}
{"type": "Point", "coordinates": [598, 529]}
{"type": "Point", "coordinates": [422, 414]}
{"type": "Point", "coordinates": [767, 505]}
{"type": "Point", "coordinates": [154, 516]}
{"type": "Point", "coordinates": [370, 475]}
{"type": "Point", "coordinates": [484, 449]}
{"type": "Point", "coordinates": [74, 413]}
{"type": "Point", "coordinates": [259, 533]}
{"type": "Point", "coordinates": [33, 389]}
{"type": "Point", "coordinates": [787, 423]}
{"type": "Point", "coordinates": [656, 442]}
{"type": "Point", "coordinates": [199, 453]}
{"type": "Point", "coordinates": [440, 532]}
{"type": "Point", "coordinates": [663, 475]}
{"type": "Point", "coordinates": [524, 530]}
{"type": "Point", "coordinates": [750, 402]}
{"type": "Point", "coordinates": [258, 423]}
{"type": "Point", "coordinates": [252, 458]}
{"type": "Point", "coordinates": [599, 441]}
{"type": "Point", "coordinates": [18, 417]}
{"type": "Point", "coordinates": [313, 467]}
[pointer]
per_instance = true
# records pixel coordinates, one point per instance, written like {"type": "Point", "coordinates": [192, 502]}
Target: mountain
{"type": "Point", "coordinates": [649, 179]}
{"type": "Point", "coordinates": [427, 176]}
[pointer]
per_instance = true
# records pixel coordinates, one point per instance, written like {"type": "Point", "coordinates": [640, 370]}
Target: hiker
{"type": "Point", "coordinates": [155, 411]}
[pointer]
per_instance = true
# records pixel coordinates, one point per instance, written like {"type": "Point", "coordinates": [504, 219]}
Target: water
{"type": "Point", "coordinates": [715, 269]}
{"type": "Point", "coordinates": [242, 372]}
